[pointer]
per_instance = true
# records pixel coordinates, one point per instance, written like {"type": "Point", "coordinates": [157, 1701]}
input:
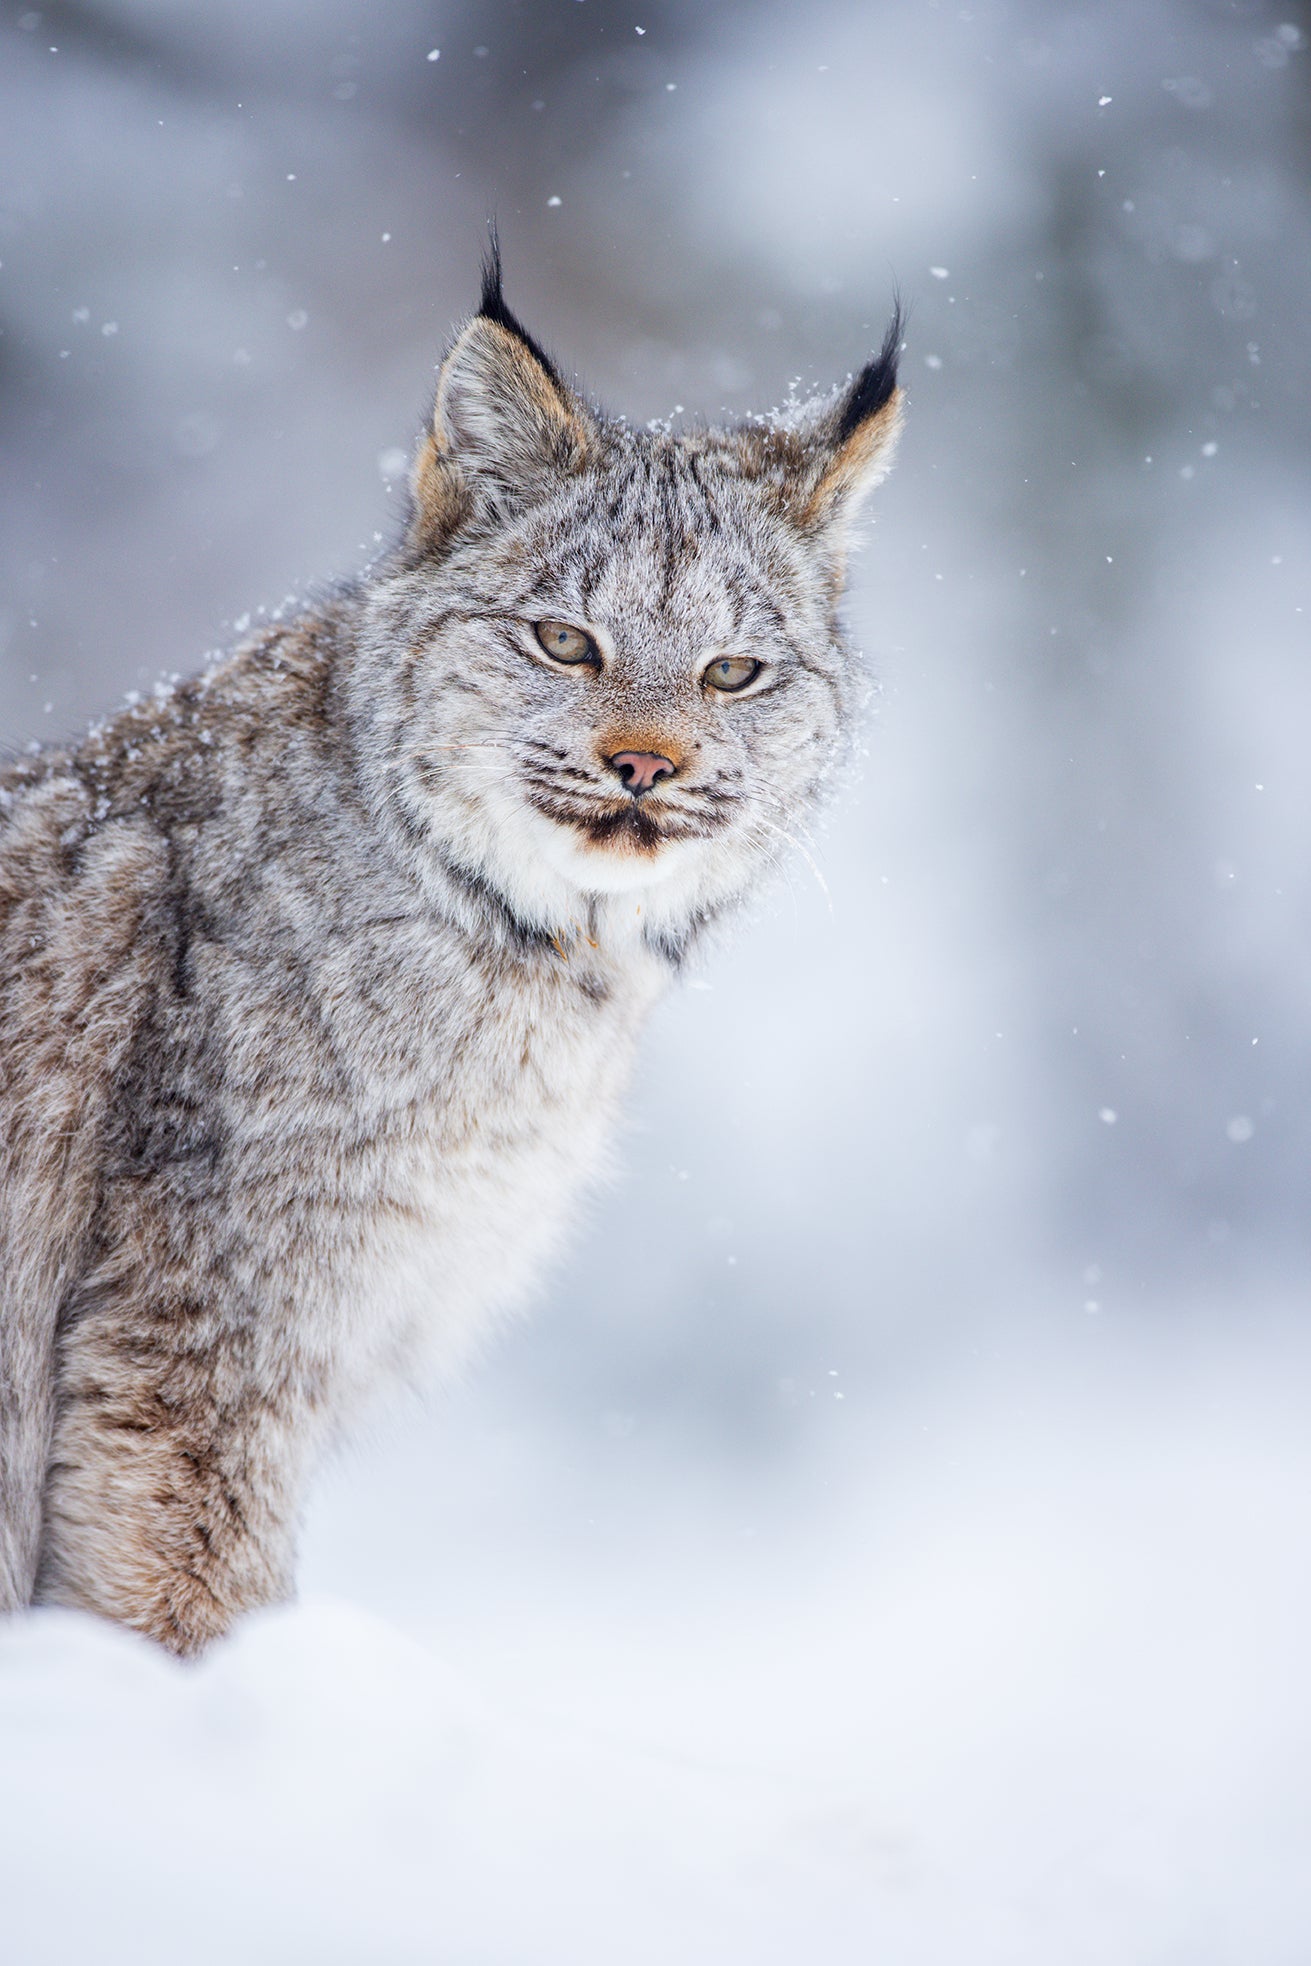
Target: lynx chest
{"type": "Point", "coordinates": [485, 1124]}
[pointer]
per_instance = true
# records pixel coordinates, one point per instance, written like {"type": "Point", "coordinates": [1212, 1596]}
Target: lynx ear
{"type": "Point", "coordinates": [504, 420]}
{"type": "Point", "coordinates": [853, 445]}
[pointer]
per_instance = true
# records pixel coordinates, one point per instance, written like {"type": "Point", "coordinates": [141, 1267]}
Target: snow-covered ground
{"type": "Point", "coordinates": [1009, 1670]}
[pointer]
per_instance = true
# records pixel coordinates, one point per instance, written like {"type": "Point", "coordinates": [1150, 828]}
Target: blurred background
{"type": "Point", "coordinates": [962, 1218]}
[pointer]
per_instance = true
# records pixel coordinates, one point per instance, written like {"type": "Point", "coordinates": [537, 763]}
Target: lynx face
{"type": "Point", "coordinates": [625, 674]}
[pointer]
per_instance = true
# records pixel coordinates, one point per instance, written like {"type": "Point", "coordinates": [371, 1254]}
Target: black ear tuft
{"type": "Point", "coordinates": [493, 308]}
{"type": "Point", "coordinates": [876, 381]}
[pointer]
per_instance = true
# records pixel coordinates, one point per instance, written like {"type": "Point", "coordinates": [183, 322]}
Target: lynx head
{"type": "Point", "coordinates": [609, 663]}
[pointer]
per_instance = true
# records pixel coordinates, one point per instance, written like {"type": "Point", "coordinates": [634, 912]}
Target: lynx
{"type": "Point", "coordinates": [321, 973]}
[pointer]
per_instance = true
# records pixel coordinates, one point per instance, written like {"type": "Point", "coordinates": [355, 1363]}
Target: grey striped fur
{"type": "Point", "coordinates": [320, 975]}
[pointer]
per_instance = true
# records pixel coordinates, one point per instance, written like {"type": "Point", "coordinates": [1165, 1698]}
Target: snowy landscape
{"type": "Point", "coordinates": [888, 1538]}
{"type": "Point", "coordinates": [1005, 1670]}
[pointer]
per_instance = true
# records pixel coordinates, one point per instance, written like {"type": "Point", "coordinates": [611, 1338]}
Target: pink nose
{"type": "Point", "coordinates": [640, 770]}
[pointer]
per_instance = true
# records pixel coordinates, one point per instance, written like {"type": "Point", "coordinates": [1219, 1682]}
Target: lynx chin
{"type": "Point", "coordinates": [321, 975]}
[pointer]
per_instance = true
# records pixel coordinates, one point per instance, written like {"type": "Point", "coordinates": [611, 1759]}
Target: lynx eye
{"type": "Point", "coordinates": [565, 643]}
{"type": "Point", "coordinates": [731, 673]}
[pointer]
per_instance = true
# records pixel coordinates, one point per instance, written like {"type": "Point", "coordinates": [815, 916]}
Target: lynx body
{"type": "Point", "coordinates": [320, 975]}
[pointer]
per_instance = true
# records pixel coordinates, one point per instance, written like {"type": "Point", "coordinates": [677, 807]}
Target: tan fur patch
{"type": "Point", "coordinates": [858, 465]}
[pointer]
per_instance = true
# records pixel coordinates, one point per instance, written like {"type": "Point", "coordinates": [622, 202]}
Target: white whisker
{"type": "Point", "coordinates": [792, 841]}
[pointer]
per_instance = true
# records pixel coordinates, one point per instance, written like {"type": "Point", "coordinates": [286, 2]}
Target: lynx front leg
{"type": "Point", "coordinates": [173, 1487]}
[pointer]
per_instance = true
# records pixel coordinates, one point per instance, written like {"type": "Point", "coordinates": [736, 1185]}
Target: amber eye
{"type": "Point", "coordinates": [564, 643]}
{"type": "Point", "coordinates": [731, 673]}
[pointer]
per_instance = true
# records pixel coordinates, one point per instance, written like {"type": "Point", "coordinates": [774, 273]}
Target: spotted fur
{"type": "Point", "coordinates": [320, 976]}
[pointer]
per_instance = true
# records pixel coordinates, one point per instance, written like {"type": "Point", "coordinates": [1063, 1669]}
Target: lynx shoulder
{"type": "Point", "coordinates": [320, 975]}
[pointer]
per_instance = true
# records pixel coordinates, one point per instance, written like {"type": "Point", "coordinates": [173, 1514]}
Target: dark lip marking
{"type": "Point", "coordinates": [677, 821]}
{"type": "Point", "coordinates": [632, 825]}
{"type": "Point", "coordinates": [612, 824]}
